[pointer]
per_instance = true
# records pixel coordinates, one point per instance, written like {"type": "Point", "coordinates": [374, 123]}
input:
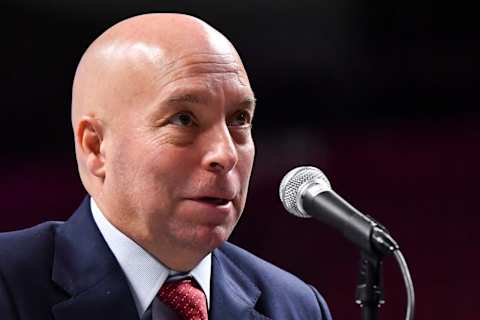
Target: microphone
{"type": "Point", "coordinates": [306, 192]}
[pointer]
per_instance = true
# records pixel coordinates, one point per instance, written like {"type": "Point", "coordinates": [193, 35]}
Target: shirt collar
{"type": "Point", "coordinates": [144, 273]}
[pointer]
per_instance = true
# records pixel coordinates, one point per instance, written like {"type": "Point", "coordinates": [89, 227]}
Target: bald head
{"type": "Point", "coordinates": [121, 66]}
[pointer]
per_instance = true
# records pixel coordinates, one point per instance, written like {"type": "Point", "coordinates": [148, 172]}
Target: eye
{"type": "Point", "coordinates": [182, 119]}
{"type": "Point", "coordinates": [240, 119]}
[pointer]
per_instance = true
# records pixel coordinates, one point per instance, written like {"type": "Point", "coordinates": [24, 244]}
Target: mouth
{"type": "Point", "coordinates": [214, 201]}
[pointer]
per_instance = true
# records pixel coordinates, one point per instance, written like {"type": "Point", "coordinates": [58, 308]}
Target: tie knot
{"type": "Point", "coordinates": [185, 298]}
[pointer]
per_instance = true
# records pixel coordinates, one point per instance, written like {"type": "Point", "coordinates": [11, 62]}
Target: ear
{"type": "Point", "coordinates": [91, 145]}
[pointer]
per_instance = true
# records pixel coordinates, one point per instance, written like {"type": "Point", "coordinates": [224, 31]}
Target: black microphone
{"type": "Point", "coordinates": [306, 192]}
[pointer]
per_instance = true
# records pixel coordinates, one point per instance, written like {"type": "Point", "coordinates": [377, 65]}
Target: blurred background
{"type": "Point", "coordinates": [374, 93]}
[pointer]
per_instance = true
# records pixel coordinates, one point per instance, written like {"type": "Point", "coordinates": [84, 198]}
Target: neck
{"type": "Point", "coordinates": [177, 259]}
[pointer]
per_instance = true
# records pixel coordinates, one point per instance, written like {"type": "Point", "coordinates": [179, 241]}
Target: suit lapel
{"type": "Point", "coordinates": [86, 269]}
{"type": "Point", "coordinates": [234, 295]}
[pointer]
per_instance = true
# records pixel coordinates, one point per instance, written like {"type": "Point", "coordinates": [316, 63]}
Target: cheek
{"type": "Point", "coordinates": [246, 155]}
{"type": "Point", "coordinates": [118, 158]}
{"type": "Point", "coordinates": [130, 164]}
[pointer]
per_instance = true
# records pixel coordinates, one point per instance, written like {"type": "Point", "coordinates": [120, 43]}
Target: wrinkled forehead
{"type": "Point", "coordinates": [143, 73]}
{"type": "Point", "coordinates": [197, 64]}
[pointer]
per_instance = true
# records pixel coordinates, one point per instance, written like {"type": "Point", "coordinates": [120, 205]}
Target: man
{"type": "Point", "coordinates": [161, 112]}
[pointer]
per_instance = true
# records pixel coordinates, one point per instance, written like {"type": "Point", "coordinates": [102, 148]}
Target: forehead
{"type": "Point", "coordinates": [152, 74]}
{"type": "Point", "coordinates": [198, 77]}
{"type": "Point", "coordinates": [214, 66]}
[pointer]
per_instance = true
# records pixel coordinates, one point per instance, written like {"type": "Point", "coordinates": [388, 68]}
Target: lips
{"type": "Point", "coordinates": [212, 208]}
{"type": "Point", "coordinates": [214, 200]}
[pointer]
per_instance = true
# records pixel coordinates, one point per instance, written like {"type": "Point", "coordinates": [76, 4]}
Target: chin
{"type": "Point", "coordinates": [206, 239]}
{"type": "Point", "coordinates": [218, 238]}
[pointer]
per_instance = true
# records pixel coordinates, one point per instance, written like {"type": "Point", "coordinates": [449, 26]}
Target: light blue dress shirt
{"type": "Point", "coordinates": [144, 273]}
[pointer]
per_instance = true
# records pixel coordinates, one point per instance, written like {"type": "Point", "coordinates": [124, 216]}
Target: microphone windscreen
{"type": "Point", "coordinates": [292, 185]}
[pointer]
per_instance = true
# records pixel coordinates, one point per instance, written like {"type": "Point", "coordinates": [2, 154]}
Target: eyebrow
{"type": "Point", "coordinates": [189, 98]}
{"type": "Point", "coordinates": [248, 102]}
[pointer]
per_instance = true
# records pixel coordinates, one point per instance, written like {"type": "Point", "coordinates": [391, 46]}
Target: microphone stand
{"type": "Point", "coordinates": [369, 292]}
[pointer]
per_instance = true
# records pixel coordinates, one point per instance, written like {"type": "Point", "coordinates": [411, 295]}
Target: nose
{"type": "Point", "coordinates": [221, 153]}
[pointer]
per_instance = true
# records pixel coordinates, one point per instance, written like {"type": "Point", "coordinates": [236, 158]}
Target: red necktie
{"type": "Point", "coordinates": [185, 298]}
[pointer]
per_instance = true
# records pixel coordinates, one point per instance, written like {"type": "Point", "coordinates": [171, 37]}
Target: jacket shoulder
{"type": "Point", "coordinates": [25, 250]}
{"type": "Point", "coordinates": [280, 289]}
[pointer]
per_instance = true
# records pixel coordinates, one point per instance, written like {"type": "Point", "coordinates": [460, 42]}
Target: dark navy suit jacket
{"type": "Point", "coordinates": [65, 271]}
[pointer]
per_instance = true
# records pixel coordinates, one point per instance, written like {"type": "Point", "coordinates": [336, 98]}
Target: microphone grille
{"type": "Point", "coordinates": [292, 184]}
